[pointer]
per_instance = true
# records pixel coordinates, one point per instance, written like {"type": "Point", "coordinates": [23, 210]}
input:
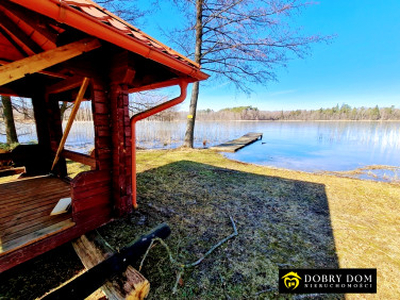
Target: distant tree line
{"type": "Point", "coordinates": [343, 112]}
{"type": "Point", "coordinates": [22, 110]}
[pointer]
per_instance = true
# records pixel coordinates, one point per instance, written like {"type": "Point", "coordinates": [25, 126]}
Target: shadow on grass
{"type": "Point", "coordinates": [281, 223]}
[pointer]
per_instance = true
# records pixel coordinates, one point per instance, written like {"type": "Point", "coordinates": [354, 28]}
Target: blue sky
{"type": "Point", "coordinates": [360, 67]}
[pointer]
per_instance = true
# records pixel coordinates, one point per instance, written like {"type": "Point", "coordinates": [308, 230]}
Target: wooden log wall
{"type": "Point", "coordinates": [91, 191]}
{"type": "Point", "coordinates": [102, 125]}
{"type": "Point", "coordinates": [122, 73]}
{"type": "Point", "coordinates": [121, 137]}
{"type": "Point", "coordinates": [91, 196]}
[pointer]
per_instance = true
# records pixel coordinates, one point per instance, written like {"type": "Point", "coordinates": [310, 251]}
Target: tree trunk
{"type": "Point", "coordinates": [11, 132]}
{"type": "Point", "coordinates": [189, 135]}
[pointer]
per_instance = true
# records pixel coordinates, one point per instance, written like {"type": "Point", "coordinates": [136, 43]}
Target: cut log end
{"type": "Point", "coordinates": [92, 249]}
{"type": "Point", "coordinates": [136, 285]}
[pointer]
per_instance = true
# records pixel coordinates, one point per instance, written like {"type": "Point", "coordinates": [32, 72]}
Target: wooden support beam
{"type": "Point", "coordinates": [15, 44]}
{"type": "Point", "coordinates": [38, 22]}
{"type": "Point", "coordinates": [47, 73]}
{"type": "Point", "coordinates": [41, 61]}
{"type": "Point", "coordinates": [156, 85]}
{"type": "Point", "coordinates": [65, 85]}
{"type": "Point", "coordinates": [9, 92]}
{"type": "Point", "coordinates": [18, 34]}
{"type": "Point", "coordinates": [78, 101]}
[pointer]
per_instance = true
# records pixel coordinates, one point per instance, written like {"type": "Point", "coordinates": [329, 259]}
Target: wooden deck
{"type": "Point", "coordinates": [235, 145]}
{"type": "Point", "coordinates": [25, 207]}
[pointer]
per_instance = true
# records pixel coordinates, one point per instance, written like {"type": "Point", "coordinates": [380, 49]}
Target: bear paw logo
{"type": "Point", "coordinates": [291, 280]}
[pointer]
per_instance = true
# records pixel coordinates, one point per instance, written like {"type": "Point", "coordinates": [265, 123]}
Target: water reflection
{"type": "Point", "coordinates": [307, 146]}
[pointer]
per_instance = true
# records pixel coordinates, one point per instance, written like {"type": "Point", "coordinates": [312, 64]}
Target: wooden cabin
{"type": "Point", "coordinates": [49, 51]}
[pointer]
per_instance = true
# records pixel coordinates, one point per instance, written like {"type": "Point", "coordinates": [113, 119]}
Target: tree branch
{"type": "Point", "coordinates": [180, 266]}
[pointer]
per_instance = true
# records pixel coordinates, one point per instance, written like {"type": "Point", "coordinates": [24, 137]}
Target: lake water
{"type": "Point", "coordinates": [305, 146]}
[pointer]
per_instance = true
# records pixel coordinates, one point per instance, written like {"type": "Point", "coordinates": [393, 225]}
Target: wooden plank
{"type": "Point", "coordinates": [28, 216]}
{"type": "Point", "coordinates": [29, 189]}
{"type": "Point", "coordinates": [30, 251]}
{"type": "Point", "coordinates": [93, 202]}
{"type": "Point", "coordinates": [94, 213]}
{"type": "Point", "coordinates": [89, 281]}
{"type": "Point", "coordinates": [41, 61]}
{"type": "Point", "coordinates": [35, 236]}
{"type": "Point", "coordinates": [90, 177]}
{"type": "Point", "coordinates": [34, 226]}
{"type": "Point", "coordinates": [17, 199]}
{"type": "Point", "coordinates": [89, 190]}
{"type": "Point", "coordinates": [16, 207]}
{"type": "Point", "coordinates": [64, 85]}
{"type": "Point", "coordinates": [11, 171]}
{"type": "Point", "coordinates": [17, 33]}
{"type": "Point", "coordinates": [38, 22]}
{"type": "Point", "coordinates": [30, 205]}
{"type": "Point", "coordinates": [20, 198]}
{"type": "Point", "coordinates": [235, 145]}
{"type": "Point", "coordinates": [26, 204]}
{"type": "Point", "coordinates": [92, 250]}
{"type": "Point", "coordinates": [71, 119]}
{"type": "Point", "coordinates": [79, 157]}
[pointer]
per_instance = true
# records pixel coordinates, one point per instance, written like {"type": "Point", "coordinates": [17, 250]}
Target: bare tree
{"type": "Point", "coordinates": [243, 41]}
{"type": "Point", "coordinates": [11, 132]}
{"type": "Point", "coordinates": [126, 9]}
{"type": "Point", "coordinates": [64, 106]}
{"type": "Point", "coordinates": [142, 101]}
{"type": "Point", "coordinates": [23, 108]}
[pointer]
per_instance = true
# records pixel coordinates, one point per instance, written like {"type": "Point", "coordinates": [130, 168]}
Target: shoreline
{"type": "Point", "coordinates": [226, 121]}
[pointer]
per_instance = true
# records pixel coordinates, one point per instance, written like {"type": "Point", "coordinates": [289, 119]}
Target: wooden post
{"type": "Point", "coordinates": [71, 119]}
{"type": "Point", "coordinates": [122, 73]}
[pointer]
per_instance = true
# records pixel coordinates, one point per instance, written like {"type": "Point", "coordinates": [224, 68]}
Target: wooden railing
{"type": "Point", "coordinates": [79, 157]}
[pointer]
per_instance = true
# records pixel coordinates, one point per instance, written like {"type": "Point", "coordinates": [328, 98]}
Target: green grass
{"type": "Point", "coordinates": [284, 219]}
{"type": "Point", "coordinates": [8, 147]}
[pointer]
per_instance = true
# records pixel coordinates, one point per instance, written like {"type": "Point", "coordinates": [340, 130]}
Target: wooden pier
{"type": "Point", "coordinates": [235, 145]}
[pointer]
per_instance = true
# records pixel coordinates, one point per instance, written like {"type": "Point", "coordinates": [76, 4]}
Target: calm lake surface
{"type": "Point", "coordinates": [305, 146]}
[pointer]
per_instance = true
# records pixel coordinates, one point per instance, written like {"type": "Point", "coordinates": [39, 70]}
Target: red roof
{"type": "Point", "coordinates": [89, 17]}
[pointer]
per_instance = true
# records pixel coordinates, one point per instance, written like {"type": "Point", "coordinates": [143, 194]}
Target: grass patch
{"type": "Point", "coordinates": [284, 219]}
{"type": "Point", "coordinates": [8, 147]}
{"type": "Point", "coordinates": [74, 168]}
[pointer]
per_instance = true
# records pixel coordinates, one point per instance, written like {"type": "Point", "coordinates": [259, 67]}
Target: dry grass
{"type": "Point", "coordinates": [284, 219]}
{"type": "Point", "coordinates": [362, 219]}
